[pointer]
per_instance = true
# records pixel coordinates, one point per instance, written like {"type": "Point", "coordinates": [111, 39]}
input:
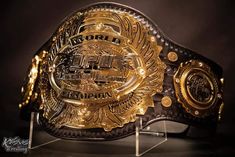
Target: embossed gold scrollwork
{"type": "Point", "coordinates": [83, 103]}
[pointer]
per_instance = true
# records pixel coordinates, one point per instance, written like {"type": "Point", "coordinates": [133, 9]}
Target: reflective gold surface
{"type": "Point", "coordinates": [172, 56]}
{"type": "Point", "coordinates": [166, 101]}
{"type": "Point", "coordinates": [221, 108]}
{"type": "Point", "coordinates": [196, 88]}
{"type": "Point", "coordinates": [102, 69]}
{"type": "Point", "coordinates": [28, 90]}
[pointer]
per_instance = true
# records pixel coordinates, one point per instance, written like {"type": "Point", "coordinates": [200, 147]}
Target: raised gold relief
{"type": "Point", "coordinates": [28, 89]}
{"type": "Point", "coordinates": [102, 69]}
{"type": "Point", "coordinates": [172, 56]}
{"type": "Point", "coordinates": [166, 101]}
{"type": "Point", "coordinates": [196, 87]}
{"type": "Point", "coordinates": [220, 110]}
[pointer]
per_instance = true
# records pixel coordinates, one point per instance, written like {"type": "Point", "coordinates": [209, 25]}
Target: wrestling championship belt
{"type": "Point", "coordinates": [108, 64]}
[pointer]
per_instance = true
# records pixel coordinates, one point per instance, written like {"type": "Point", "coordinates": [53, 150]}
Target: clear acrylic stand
{"type": "Point", "coordinates": [144, 140]}
{"type": "Point", "coordinates": [150, 137]}
{"type": "Point", "coordinates": [34, 125]}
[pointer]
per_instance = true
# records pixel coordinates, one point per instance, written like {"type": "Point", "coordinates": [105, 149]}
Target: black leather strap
{"type": "Point", "coordinates": [198, 127]}
{"type": "Point", "coordinates": [173, 113]}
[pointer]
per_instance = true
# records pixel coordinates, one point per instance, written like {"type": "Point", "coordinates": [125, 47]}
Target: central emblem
{"type": "Point", "coordinates": [102, 69]}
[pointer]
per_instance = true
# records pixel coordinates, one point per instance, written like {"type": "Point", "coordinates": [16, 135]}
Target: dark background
{"type": "Point", "coordinates": [205, 26]}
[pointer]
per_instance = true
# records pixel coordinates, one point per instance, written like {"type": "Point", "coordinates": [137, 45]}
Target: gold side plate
{"type": "Point", "coordinates": [196, 88]}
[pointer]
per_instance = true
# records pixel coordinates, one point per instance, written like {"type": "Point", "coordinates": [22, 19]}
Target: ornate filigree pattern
{"type": "Point", "coordinates": [102, 69]}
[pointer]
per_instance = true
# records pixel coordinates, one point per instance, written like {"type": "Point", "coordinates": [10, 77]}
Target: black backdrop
{"type": "Point", "coordinates": [206, 26]}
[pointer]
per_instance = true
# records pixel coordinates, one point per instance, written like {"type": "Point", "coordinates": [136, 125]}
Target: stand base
{"type": "Point", "coordinates": [142, 142]}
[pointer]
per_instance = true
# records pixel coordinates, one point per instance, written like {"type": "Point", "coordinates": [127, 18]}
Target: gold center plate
{"type": "Point", "coordinates": [101, 71]}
